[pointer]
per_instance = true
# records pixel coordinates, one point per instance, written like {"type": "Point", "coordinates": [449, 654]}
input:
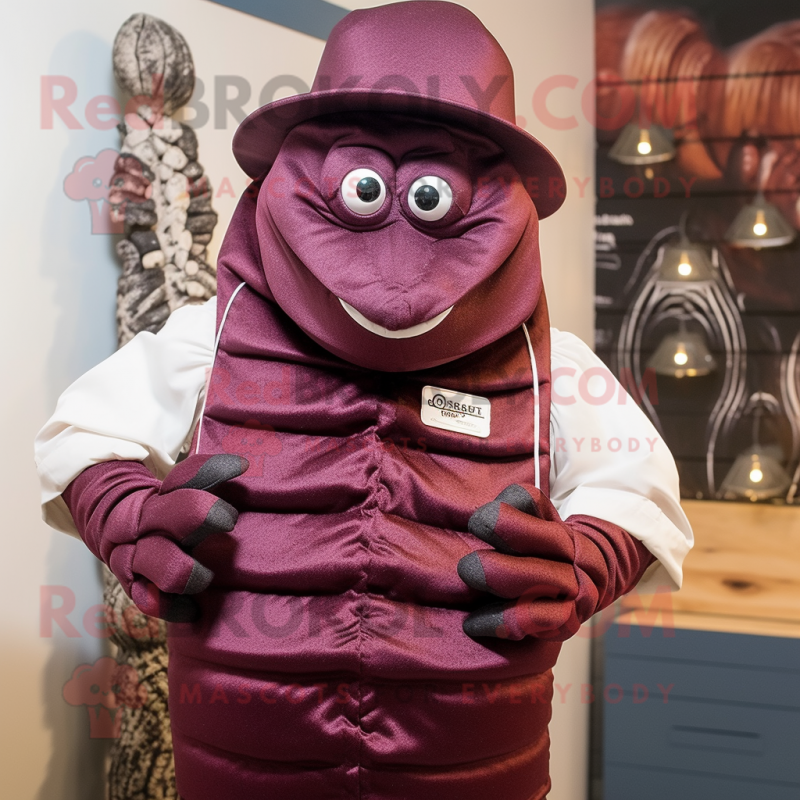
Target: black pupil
{"type": "Point", "coordinates": [426, 197]}
{"type": "Point", "coordinates": [368, 190]}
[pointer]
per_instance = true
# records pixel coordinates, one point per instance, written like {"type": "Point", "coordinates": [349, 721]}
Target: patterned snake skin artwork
{"type": "Point", "coordinates": [160, 192]}
{"type": "Point", "coordinates": [140, 762]}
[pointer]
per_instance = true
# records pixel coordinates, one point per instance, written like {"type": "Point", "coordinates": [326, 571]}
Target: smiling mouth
{"type": "Point", "coordinates": [405, 333]}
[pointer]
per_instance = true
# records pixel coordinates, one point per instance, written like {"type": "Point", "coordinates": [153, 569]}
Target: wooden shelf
{"type": "Point", "coordinates": [743, 574]}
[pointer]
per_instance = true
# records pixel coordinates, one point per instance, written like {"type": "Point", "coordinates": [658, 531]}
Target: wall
{"type": "Point", "coordinates": [58, 316]}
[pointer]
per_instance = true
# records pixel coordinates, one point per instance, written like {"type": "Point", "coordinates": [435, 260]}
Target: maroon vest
{"type": "Point", "coordinates": [330, 661]}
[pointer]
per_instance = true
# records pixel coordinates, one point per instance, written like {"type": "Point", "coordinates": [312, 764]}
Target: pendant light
{"type": "Point", "coordinates": [756, 473]}
{"type": "Point", "coordinates": [683, 354]}
{"type": "Point", "coordinates": [685, 261]}
{"type": "Point", "coordinates": [760, 224]}
{"type": "Point", "coordinates": [641, 143]}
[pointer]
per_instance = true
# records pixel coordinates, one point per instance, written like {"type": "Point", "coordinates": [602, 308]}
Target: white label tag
{"type": "Point", "coordinates": [455, 411]}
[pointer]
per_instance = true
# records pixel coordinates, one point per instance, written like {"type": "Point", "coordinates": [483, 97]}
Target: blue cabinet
{"type": "Point", "coordinates": [699, 714]}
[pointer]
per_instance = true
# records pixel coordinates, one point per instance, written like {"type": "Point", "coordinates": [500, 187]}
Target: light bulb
{"type": "Point", "coordinates": [760, 228]}
{"type": "Point", "coordinates": [644, 147]}
{"type": "Point", "coordinates": [680, 357]}
{"type": "Point", "coordinates": [684, 268]}
{"type": "Point", "coordinates": [756, 475]}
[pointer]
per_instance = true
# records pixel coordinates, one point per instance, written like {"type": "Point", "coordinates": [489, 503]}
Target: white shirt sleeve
{"type": "Point", "coordinates": [609, 462]}
{"type": "Point", "coordinates": [140, 404]}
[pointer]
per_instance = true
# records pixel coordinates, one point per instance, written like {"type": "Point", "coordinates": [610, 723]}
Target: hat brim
{"type": "Point", "coordinates": [259, 137]}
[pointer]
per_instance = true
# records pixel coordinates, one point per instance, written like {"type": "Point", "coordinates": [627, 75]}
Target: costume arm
{"type": "Point", "coordinates": [609, 462]}
{"type": "Point", "coordinates": [141, 404]}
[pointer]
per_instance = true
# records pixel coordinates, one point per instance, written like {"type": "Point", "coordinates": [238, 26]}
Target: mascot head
{"type": "Point", "coordinates": [398, 210]}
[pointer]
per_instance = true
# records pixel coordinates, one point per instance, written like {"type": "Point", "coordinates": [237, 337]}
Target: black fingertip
{"type": "Point", "coordinates": [218, 469]}
{"type": "Point", "coordinates": [483, 523]}
{"type": "Point", "coordinates": [487, 621]}
{"type": "Point", "coordinates": [470, 570]}
{"type": "Point", "coordinates": [179, 608]}
{"type": "Point", "coordinates": [221, 518]}
{"type": "Point", "coordinates": [514, 495]}
{"type": "Point", "coordinates": [199, 579]}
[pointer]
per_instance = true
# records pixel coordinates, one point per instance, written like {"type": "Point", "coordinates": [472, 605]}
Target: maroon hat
{"type": "Point", "coordinates": [424, 58]}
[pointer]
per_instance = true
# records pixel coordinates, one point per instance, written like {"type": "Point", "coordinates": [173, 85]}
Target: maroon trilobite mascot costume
{"type": "Point", "coordinates": [367, 583]}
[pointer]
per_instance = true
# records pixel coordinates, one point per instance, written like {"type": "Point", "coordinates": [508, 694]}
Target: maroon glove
{"type": "Point", "coordinates": [144, 530]}
{"type": "Point", "coordinates": [555, 573]}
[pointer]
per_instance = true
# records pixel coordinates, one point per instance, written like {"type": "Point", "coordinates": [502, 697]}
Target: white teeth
{"type": "Point", "coordinates": [406, 333]}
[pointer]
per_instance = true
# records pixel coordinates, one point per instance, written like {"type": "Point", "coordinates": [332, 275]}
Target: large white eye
{"type": "Point", "coordinates": [363, 191]}
{"type": "Point", "coordinates": [430, 198]}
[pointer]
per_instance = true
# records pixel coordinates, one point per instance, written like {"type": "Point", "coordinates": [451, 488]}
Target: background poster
{"type": "Point", "coordinates": [724, 77]}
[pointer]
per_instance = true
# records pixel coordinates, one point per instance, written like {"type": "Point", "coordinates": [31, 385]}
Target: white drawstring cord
{"type": "Point", "coordinates": [536, 467]}
{"type": "Point", "coordinates": [213, 360]}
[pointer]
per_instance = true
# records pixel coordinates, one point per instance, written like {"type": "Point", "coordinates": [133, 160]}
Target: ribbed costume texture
{"type": "Point", "coordinates": [329, 659]}
{"type": "Point", "coordinates": [337, 604]}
